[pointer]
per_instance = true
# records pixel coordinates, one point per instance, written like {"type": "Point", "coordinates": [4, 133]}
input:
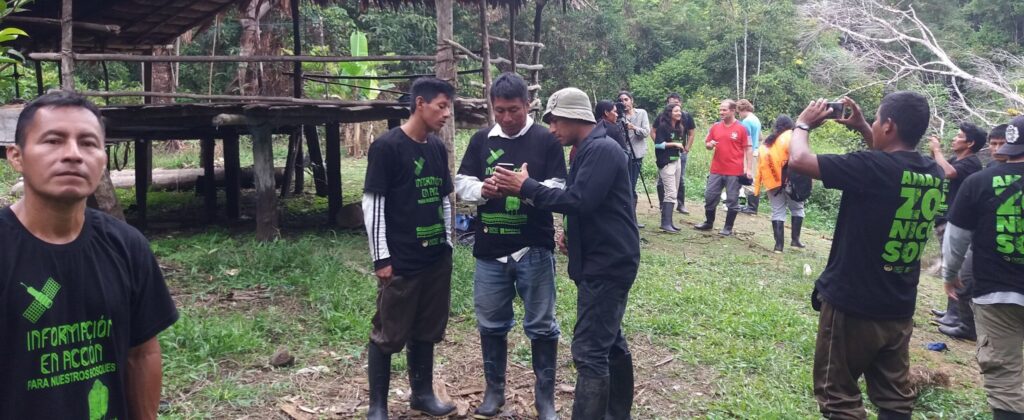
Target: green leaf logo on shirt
{"type": "Point", "coordinates": [495, 155]}
{"type": "Point", "coordinates": [512, 204]}
{"type": "Point", "coordinates": [42, 300]}
{"type": "Point", "coordinates": [99, 397]}
{"type": "Point", "coordinates": [418, 165]}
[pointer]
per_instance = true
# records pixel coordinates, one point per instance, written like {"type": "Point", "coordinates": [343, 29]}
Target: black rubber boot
{"type": "Point", "coordinates": [590, 401]}
{"type": "Point", "coordinates": [798, 223]}
{"type": "Point", "coordinates": [938, 313]}
{"type": "Point", "coordinates": [998, 414]}
{"type": "Point", "coordinates": [378, 370]}
{"type": "Point", "coordinates": [545, 357]}
{"type": "Point", "coordinates": [884, 414]}
{"type": "Point", "coordinates": [666, 218]}
{"type": "Point", "coordinates": [636, 200]}
{"type": "Point", "coordinates": [681, 199]}
{"type": "Point", "coordinates": [967, 317]}
{"type": "Point", "coordinates": [752, 203]}
{"type": "Point", "coordinates": [709, 221]}
{"type": "Point", "coordinates": [661, 192]}
{"type": "Point", "coordinates": [620, 388]}
{"type": "Point", "coordinates": [421, 379]}
{"type": "Point", "coordinates": [730, 218]}
{"type": "Point", "coordinates": [778, 230]}
{"type": "Point", "coordinates": [952, 317]}
{"type": "Point", "coordinates": [495, 352]}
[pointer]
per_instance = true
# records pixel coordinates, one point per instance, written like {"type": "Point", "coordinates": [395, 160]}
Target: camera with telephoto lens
{"type": "Point", "coordinates": [620, 110]}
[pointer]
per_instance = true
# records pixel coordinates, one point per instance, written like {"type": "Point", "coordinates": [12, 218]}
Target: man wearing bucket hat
{"type": "Point", "coordinates": [988, 216]}
{"type": "Point", "coordinates": [603, 246]}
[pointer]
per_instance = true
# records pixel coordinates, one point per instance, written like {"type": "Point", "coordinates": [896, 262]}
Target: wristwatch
{"type": "Point", "coordinates": [805, 127]}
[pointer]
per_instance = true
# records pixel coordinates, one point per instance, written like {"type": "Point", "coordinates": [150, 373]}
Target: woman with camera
{"type": "Point", "coordinates": [670, 132]}
{"type": "Point", "coordinates": [773, 174]}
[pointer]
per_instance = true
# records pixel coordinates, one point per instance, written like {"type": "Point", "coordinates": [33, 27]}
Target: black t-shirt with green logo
{"type": "Point", "coordinates": [664, 134]}
{"type": "Point", "coordinates": [71, 313]}
{"type": "Point", "coordinates": [998, 240]}
{"type": "Point", "coordinates": [886, 214]}
{"type": "Point", "coordinates": [510, 224]}
{"type": "Point", "coordinates": [413, 177]}
{"type": "Point", "coordinates": [964, 168]}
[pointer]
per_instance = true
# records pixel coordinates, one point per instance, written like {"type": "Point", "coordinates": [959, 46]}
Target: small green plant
{"type": "Point", "coordinates": [359, 89]}
{"type": "Point", "coordinates": [8, 34]}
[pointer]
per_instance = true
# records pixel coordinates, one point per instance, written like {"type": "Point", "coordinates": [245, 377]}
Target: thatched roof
{"type": "Point", "coordinates": [140, 22]}
{"type": "Point", "coordinates": [518, 4]}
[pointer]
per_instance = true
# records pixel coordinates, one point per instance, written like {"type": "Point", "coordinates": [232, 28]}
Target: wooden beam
{"type": "Point", "coordinates": [289, 163]}
{"type": "Point", "coordinates": [206, 147]}
{"type": "Point", "coordinates": [518, 42]}
{"type": "Point", "coordinates": [296, 50]}
{"type": "Point", "coordinates": [232, 176]}
{"type": "Point", "coordinates": [333, 173]}
{"type": "Point", "coordinates": [239, 98]}
{"type": "Point", "coordinates": [230, 58]}
{"type": "Point", "coordinates": [85, 26]}
{"type": "Point", "coordinates": [537, 26]}
{"type": "Point", "coordinates": [498, 60]}
{"type": "Point", "coordinates": [67, 59]}
{"type": "Point", "coordinates": [263, 172]}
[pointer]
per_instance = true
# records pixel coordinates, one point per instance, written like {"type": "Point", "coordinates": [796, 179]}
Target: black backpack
{"type": "Point", "coordinates": [797, 186]}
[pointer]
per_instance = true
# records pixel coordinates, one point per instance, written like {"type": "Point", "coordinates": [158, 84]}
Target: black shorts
{"type": "Point", "coordinates": [413, 306]}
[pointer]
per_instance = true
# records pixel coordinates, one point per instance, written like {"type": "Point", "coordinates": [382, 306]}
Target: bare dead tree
{"type": "Point", "coordinates": [893, 43]}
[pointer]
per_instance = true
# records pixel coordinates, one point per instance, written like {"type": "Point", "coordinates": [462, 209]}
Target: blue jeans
{"type": "Point", "coordinates": [495, 285]}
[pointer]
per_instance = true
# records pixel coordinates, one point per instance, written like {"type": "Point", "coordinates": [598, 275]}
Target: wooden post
{"type": "Point", "coordinates": [263, 174]}
{"type": "Point", "coordinates": [290, 162]}
{"type": "Point", "coordinates": [147, 85]}
{"type": "Point", "coordinates": [512, 13]}
{"type": "Point", "coordinates": [295, 141]}
{"type": "Point", "coordinates": [232, 178]}
{"type": "Point", "coordinates": [206, 146]}
{"type": "Point", "coordinates": [485, 53]}
{"type": "Point", "coordinates": [333, 173]}
{"type": "Point", "coordinates": [39, 78]}
{"type": "Point", "coordinates": [67, 60]}
{"type": "Point", "coordinates": [141, 179]}
{"type": "Point", "coordinates": [316, 160]}
{"type": "Point", "coordinates": [537, 26]}
{"type": "Point", "coordinates": [300, 163]}
{"type": "Point", "coordinates": [446, 70]}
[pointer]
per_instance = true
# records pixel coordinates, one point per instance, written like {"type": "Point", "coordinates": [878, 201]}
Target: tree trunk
{"type": "Point", "coordinates": [446, 70]}
{"type": "Point", "coordinates": [163, 81]}
{"type": "Point", "coordinates": [537, 24]}
{"type": "Point", "coordinates": [249, 41]}
{"type": "Point", "coordinates": [746, 33]}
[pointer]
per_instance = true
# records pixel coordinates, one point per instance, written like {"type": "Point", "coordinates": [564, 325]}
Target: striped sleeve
{"type": "Point", "coordinates": [376, 230]}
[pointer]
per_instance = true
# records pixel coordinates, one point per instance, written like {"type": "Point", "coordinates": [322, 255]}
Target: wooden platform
{"type": "Point", "coordinates": [210, 122]}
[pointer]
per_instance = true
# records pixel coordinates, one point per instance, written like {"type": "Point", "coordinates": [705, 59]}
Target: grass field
{"type": "Point", "coordinates": [721, 327]}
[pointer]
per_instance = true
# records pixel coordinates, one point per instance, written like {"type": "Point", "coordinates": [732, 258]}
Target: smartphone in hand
{"type": "Point", "coordinates": [837, 110]}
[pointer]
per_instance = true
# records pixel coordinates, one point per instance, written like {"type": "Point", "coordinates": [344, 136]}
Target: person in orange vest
{"type": "Point", "coordinates": [772, 174]}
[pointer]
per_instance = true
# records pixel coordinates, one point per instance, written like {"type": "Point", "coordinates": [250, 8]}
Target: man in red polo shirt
{"type": "Point", "coordinates": [732, 155]}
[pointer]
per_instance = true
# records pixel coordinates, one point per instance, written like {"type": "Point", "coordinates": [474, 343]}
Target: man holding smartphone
{"type": "Point", "coordinates": [513, 243]}
{"type": "Point", "coordinates": [868, 290]}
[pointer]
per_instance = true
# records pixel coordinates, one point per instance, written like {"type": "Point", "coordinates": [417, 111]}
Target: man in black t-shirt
{"type": "Point", "coordinates": [604, 251]}
{"type": "Point", "coordinates": [513, 243]}
{"type": "Point", "coordinates": [988, 217]}
{"type": "Point", "coordinates": [996, 139]}
{"type": "Point", "coordinates": [958, 320]}
{"type": "Point", "coordinates": [82, 295]}
{"type": "Point", "coordinates": [867, 292]}
{"type": "Point", "coordinates": [407, 214]}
